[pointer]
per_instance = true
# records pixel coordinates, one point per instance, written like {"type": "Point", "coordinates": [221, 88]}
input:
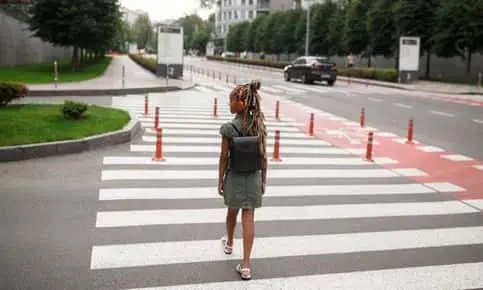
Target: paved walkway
{"type": "Point", "coordinates": [135, 77]}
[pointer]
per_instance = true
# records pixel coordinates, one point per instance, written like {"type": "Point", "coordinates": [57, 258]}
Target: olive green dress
{"type": "Point", "coordinates": [241, 190]}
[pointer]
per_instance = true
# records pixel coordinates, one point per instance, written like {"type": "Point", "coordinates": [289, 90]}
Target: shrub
{"type": "Point", "coordinates": [381, 74]}
{"type": "Point", "coordinates": [146, 62]}
{"type": "Point", "coordinates": [10, 91]}
{"type": "Point", "coordinates": [73, 110]}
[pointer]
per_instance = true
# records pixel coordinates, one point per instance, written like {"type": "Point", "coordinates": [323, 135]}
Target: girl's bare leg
{"type": "Point", "coordinates": [248, 235]}
{"type": "Point", "coordinates": [231, 215]}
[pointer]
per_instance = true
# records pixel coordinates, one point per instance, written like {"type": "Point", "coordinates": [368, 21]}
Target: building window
{"type": "Point", "coordinates": [229, 15]}
{"type": "Point", "coordinates": [243, 2]}
{"type": "Point", "coordinates": [250, 14]}
{"type": "Point", "coordinates": [235, 15]}
{"type": "Point", "coordinates": [250, 2]}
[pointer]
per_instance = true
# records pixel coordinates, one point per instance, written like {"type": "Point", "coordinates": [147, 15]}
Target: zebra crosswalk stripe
{"type": "Point", "coordinates": [330, 220]}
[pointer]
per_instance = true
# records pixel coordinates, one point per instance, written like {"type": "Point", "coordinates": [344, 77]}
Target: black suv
{"type": "Point", "coordinates": [311, 68]}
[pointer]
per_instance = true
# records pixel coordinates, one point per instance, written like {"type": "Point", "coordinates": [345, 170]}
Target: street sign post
{"type": "Point", "coordinates": [409, 54]}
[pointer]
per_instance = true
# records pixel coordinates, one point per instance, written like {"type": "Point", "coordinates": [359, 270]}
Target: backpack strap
{"type": "Point", "coordinates": [236, 129]}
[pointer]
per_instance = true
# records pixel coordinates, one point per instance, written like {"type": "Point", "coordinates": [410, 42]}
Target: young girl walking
{"type": "Point", "coordinates": [242, 190]}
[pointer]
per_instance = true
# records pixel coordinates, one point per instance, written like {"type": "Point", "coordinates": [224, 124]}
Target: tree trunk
{"type": "Point", "coordinates": [75, 58]}
{"type": "Point", "coordinates": [82, 56]}
{"type": "Point", "coordinates": [468, 62]}
{"type": "Point", "coordinates": [428, 64]}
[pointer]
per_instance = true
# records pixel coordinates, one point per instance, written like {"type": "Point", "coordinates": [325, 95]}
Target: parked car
{"type": "Point", "coordinates": [311, 68]}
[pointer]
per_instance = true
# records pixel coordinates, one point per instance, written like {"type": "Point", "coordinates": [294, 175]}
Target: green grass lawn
{"type": "Point", "coordinates": [44, 72]}
{"type": "Point", "coordinates": [28, 124]}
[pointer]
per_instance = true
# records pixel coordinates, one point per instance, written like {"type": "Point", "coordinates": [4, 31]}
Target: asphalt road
{"type": "Point", "coordinates": [59, 232]}
{"type": "Point", "coordinates": [48, 208]}
{"type": "Point", "coordinates": [454, 127]}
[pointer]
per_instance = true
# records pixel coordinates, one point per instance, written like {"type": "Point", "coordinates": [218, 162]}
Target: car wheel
{"type": "Point", "coordinates": [330, 83]}
{"type": "Point", "coordinates": [286, 76]}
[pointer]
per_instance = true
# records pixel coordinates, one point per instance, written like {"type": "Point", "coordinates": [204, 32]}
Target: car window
{"type": "Point", "coordinates": [319, 60]}
{"type": "Point", "coordinates": [299, 61]}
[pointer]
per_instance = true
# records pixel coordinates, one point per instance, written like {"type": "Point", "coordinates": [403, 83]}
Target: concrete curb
{"type": "Point", "coordinates": [105, 92]}
{"type": "Point", "coordinates": [39, 150]}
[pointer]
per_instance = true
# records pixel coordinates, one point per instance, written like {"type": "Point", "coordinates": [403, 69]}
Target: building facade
{"type": "Point", "coordinates": [229, 12]}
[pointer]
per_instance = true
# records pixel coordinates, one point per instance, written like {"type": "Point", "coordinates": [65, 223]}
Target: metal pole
{"type": "Point", "coordinates": [480, 76]}
{"type": "Point", "coordinates": [56, 74]}
{"type": "Point", "coordinates": [123, 76]}
{"type": "Point", "coordinates": [307, 30]}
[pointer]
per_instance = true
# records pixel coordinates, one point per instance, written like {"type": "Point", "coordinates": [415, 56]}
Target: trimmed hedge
{"type": "Point", "coordinates": [10, 91]}
{"type": "Point", "coordinates": [380, 74]}
{"type": "Point", "coordinates": [145, 62]}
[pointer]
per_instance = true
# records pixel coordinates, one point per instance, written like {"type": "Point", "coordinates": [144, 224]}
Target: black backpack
{"type": "Point", "coordinates": [245, 153]}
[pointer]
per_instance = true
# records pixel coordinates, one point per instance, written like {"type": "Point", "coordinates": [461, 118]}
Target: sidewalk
{"type": "Point", "coordinates": [423, 86]}
{"type": "Point", "coordinates": [136, 77]}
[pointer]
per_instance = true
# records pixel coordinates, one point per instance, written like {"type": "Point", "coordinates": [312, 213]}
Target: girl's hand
{"type": "Point", "coordinates": [264, 185]}
{"type": "Point", "coordinates": [220, 188]}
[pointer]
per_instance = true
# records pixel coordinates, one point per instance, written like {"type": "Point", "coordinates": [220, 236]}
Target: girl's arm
{"type": "Point", "coordinates": [223, 160]}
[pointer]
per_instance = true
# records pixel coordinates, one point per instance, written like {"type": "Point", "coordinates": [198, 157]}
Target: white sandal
{"type": "Point", "coordinates": [227, 249]}
{"type": "Point", "coordinates": [245, 273]}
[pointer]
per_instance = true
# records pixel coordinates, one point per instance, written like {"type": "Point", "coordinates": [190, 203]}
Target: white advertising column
{"type": "Point", "coordinates": [409, 53]}
{"type": "Point", "coordinates": [170, 51]}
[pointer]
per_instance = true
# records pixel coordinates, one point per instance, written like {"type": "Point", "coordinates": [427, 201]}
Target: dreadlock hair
{"type": "Point", "coordinates": [254, 119]}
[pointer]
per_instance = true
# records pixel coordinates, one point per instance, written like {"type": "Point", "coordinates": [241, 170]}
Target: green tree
{"type": "Point", "coordinates": [356, 36]}
{"type": "Point", "coordinates": [459, 29]}
{"type": "Point", "coordinates": [244, 27]}
{"type": "Point", "coordinates": [191, 24]}
{"type": "Point", "coordinates": [234, 38]}
{"type": "Point", "coordinates": [381, 29]}
{"type": "Point", "coordinates": [290, 38]}
{"type": "Point", "coordinates": [143, 31]}
{"type": "Point", "coordinates": [84, 25]}
{"type": "Point", "coordinates": [273, 33]}
{"type": "Point", "coordinates": [320, 16]}
{"type": "Point", "coordinates": [335, 35]}
{"type": "Point", "coordinates": [260, 35]}
{"type": "Point", "coordinates": [202, 36]}
{"type": "Point", "coordinates": [250, 36]}
{"type": "Point", "coordinates": [299, 33]}
{"type": "Point", "coordinates": [418, 18]}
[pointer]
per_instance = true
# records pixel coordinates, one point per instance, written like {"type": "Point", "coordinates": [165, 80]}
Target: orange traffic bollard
{"type": "Point", "coordinates": [370, 140]}
{"type": "Point", "coordinates": [311, 125]}
{"type": "Point", "coordinates": [158, 154]}
{"type": "Point", "coordinates": [410, 131]}
{"type": "Point", "coordinates": [276, 147]}
{"type": "Point", "coordinates": [156, 118]}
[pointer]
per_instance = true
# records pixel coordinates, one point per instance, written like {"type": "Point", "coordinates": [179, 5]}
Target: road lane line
{"type": "Point", "coordinates": [374, 100]}
{"type": "Point", "coordinates": [478, 121]}
{"type": "Point", "coordinates": [165, 253]}
{"type": "Point", "coordinates": [403, 106]}
{"type": "Point", "coordinates": [442, 114]}
{"type": "Point", "coordinates": [453, 276]}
